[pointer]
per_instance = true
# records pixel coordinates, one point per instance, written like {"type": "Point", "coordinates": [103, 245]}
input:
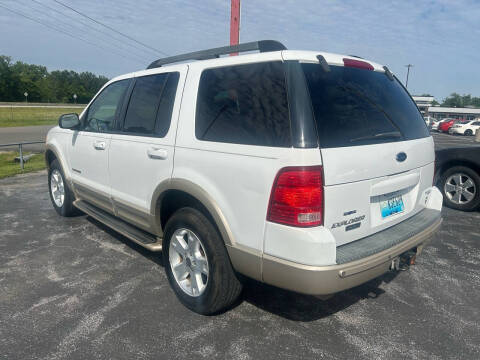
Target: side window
{"type": "Point", "coordinates": [151, 103]}
{"type": "Point", "coordinates": [101, 113]}
{"type": "Point", "coordinates": [244, 104]}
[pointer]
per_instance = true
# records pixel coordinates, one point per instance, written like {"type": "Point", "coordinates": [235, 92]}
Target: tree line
{"type": "Point", "coordinates": [457, 100]}
{"type": "Point", "coordinates": [57, 86]}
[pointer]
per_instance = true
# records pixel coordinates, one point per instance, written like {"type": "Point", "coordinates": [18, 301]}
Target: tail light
{"type": "Point", "coordinates": [297, 197]}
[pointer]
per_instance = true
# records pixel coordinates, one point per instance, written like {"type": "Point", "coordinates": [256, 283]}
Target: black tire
{"type": "Point", "coordinates": [66, 209]}
{"type": "Point", "coordinates": [468, 132]}
{"type": "Point", "coordinates": [222, 287]}
{"type": "Point", "coordinates": [471, 205]}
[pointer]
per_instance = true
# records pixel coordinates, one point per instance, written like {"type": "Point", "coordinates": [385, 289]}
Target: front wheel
{"type": "Point", "coordinates": [60, 194]}
{"type": "Point", "coordinates": [197, 263]}
{"type": "Point", "coordinates": [460, 186]}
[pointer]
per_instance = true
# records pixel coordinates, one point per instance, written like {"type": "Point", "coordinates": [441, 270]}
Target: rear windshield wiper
{"type": "Point", "coordinates": [385, 135]}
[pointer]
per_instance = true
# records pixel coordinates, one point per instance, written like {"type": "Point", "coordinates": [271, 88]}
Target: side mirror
{"type": "Point", "coordinates": [69, 121]}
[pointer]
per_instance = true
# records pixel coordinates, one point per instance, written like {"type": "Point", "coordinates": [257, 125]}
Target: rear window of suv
{"type": "Point", "coordinates": [361, 107]}
{"type": "Point", "coordinates": [244, 104]}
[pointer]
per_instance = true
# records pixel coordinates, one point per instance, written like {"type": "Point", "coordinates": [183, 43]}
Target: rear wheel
{"type": "Point", "coordinates": [197, 263]}
{"type": "Point", "coordinates": [468, 132]}
{"type": "Point", "coordinates": [461, 188]}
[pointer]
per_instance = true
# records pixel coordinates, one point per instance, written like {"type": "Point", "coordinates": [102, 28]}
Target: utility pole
{"type": "Point", "coordinates": [234, 23]}
{"type": "Point", "coordinates": [408, 73]}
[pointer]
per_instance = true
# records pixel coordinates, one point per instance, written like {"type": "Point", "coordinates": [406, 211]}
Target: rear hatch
{"type": "Point", "coordinates": [376, 150]}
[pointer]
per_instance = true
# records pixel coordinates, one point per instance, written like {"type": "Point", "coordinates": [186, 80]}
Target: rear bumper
{"type": "Point", "coordinates": [324, 280]}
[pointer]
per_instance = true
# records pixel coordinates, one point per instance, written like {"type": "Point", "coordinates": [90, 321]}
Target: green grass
{"type": "Point", "coordinates": [30, 116]}
{"type": "Point", "coordinates": [8, 167]}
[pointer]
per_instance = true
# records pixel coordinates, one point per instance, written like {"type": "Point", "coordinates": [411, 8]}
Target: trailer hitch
{"type": "Point", "coordinates": [404, 261]}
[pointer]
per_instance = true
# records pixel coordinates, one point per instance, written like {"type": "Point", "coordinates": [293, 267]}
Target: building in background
{"type": "Point", "coordinates": [423, 103]}
{"type": "Point", "coordinates": [439, 112]}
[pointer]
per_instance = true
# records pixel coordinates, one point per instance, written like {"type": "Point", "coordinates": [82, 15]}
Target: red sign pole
{"type": "Point", "coordinates": [235, 23]}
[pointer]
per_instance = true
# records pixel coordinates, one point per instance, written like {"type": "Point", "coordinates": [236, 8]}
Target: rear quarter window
{"type": "Point", "coordinates": [244, 104]}
{"type": "Point", "coordinates": [361, 107]}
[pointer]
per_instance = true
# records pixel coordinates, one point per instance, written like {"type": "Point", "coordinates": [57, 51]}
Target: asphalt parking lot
{"type": "Point", "coordinates": [70, 288]}
{"type": "Point", "coordinates": [443, 140]}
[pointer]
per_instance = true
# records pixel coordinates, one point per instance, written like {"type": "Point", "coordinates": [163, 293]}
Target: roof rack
{"type": "Point", "coordinates": [262, 46]}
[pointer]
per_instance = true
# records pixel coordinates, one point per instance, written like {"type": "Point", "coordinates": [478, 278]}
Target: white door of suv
{"type": "Point", "coordinates": [88, 150]}
{"type": "Point", "coordinates": [142, 150]}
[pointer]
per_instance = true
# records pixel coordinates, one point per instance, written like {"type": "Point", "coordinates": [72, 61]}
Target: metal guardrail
{"type": "Point", "coordinates": [20, 148]}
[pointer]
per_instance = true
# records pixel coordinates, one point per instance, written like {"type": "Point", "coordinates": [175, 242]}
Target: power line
{"type": "Point", "coordinates": [110, 28]}
{"type": "Point", "coordinates": [67, 25]}
{"type": "Point", "coordinates": [62, 31]}
{"type": "Point", "coordinates": [90, 27]}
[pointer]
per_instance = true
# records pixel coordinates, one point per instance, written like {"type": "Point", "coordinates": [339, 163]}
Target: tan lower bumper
{"type": "Point", "coordinates": [324, 280]}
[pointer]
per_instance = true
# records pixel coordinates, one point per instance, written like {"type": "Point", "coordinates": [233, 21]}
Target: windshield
{"type": "Point", "coordinates": [361, 107]}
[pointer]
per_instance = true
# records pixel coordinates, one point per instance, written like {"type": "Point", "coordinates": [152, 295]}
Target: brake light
{"type": "Point", "coordinates": [357, 64]}
{"type": "Point", "coordinates": [297, 197]}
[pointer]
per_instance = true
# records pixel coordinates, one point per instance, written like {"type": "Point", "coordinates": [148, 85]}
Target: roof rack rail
{"type": "Point", "coordinates": [261, 45]}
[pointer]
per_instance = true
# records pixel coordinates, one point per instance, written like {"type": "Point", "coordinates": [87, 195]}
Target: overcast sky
{"type": "Point", "coordinates": [440, 38]}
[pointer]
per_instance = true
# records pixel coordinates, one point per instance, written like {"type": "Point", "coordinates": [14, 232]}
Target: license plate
{"type": "Point", "coordinates": [391, 206]}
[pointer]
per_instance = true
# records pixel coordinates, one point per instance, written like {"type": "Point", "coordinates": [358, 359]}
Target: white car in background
{"type": "Point", "coordinates": [468, 128]}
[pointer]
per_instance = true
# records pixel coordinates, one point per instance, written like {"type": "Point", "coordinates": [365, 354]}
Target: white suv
{"type": "Point", "coordinates": [305, 170]}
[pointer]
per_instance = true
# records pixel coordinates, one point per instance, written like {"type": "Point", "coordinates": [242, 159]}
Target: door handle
{"type": "Point", "coordinates": [99, 145]}
{"type": "Point", "coordinates": [157, 153]}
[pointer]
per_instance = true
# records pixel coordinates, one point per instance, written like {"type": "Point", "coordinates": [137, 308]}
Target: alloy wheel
{"type": "Point", "coordinates": [57, 188]}
{"type": "Point", "coordinates": [188, 261]}
{"type": "Point", "coordinates": [460, 188]}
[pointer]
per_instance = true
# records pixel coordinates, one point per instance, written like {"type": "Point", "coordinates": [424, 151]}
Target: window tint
{"type": "Point", "coordinates": [167, 100]}
{"type": "Point", "coordinates": [150, 107]}
{"type": "Point", "coordinates": [101, 113]}
{"type": "Point", "coordinates": [360, 107]}
{"type": "Point", "coordinates": [244, 104]}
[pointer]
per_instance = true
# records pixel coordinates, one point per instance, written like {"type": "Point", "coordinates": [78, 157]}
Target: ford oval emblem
{"type": "Point", "coordinates": [401, 157]}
